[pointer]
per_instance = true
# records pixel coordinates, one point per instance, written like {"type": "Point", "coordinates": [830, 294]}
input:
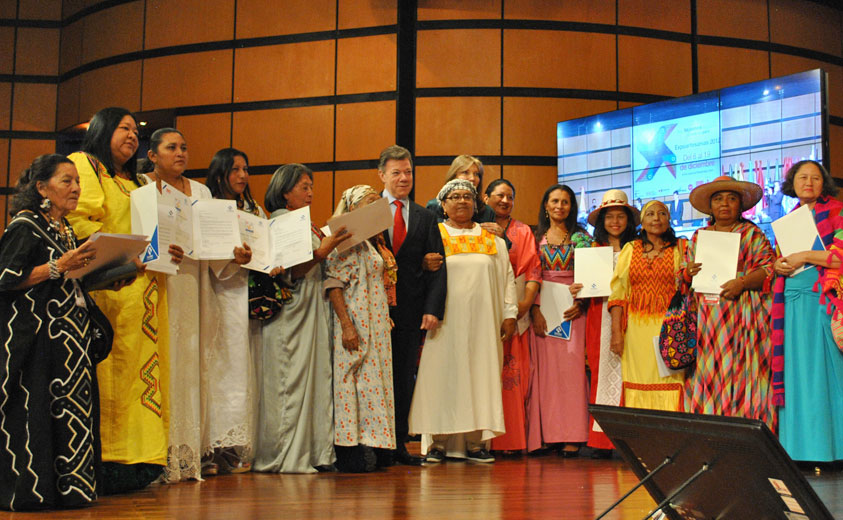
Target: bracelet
{"type": "Point", "coordinates": [54, 270]}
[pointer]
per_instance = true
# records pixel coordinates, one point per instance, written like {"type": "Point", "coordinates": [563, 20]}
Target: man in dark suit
{"type": "Point", "coordinates": [420, 294]}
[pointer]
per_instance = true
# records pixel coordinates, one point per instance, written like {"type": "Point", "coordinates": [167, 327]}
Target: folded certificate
{"type": "Point", "coordinates": [282, 241]}
{"type": "Point", "coordinates": [157, 223]}
{"type": "Point", "coordinates": [205, 229]}
{"type": "Point", "coordinates": [717, 251]}
{"type": "Point", "coordinates": [363, 223]}
{"type": "Point", "coordinates": [797, 232]}
{"type": "Point", "coordinates": [111, 250]}
{"type": "Point", "coordinates": [593, 267]}
{"type": "Point", "coordinates": [555, 300]}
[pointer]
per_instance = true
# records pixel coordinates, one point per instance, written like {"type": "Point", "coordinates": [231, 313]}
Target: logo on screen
{"type": "Point", "coordinates": [657, 153]}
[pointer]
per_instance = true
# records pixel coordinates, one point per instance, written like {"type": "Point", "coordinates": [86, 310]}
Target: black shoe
{"type": "Point", "coordinates": [355, 459]}
{"type": "Point", "coordinates": [384, 457]}
{"type": "Point", "coordinates": [482, 456]}
{"type": "Point", "coordinates": [598, 453]}
{"type": "Point", "coordinates": [435, 456]}
{"type": "Point", "coordinates": [402, 456]}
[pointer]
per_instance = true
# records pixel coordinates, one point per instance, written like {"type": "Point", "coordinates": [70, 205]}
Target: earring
{"type": "Point", "coordinates": [546, 215]}
{"type": "Point", "coordinates": [445, 214]}
{"type": "Point", "coordinates": [46, 204]}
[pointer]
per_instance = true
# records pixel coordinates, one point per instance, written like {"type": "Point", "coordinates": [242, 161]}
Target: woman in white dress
{"type": "Point", "coordinates": [185, 290]}
{"type": "Point", "coordinates": [457, 405]}
{"type": "Point", "coordinates": [229, 392]}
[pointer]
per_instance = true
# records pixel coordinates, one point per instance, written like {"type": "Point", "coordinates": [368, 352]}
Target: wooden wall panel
{"type": "Point", "coordinates": [4, 161]}
{"type": "Point", "coordinates": [286, 135]}
{"type": "Point", "coordinates": [22, 154]}
{"type": "Point", "coordinates": [322, 206]}
{"type": "Point", "coordinates": [34, 107]}
{"type": "Point", "coordinates": [256, 18]}
{"type": "Point", "coordinates": [784, 64]}
{"type": "Point", "coordinates": [465, 58]}
{"type": "Point", "coordinates": [187, 79]}
{"type": "Point", "coordinates": [372, 13]}
{"type": "Point", "coordinates": [257, 186]}
{"type": "Point", "coordinates": [529, 124]}
{"type": "Point", "coordinates": [744, 66]}
{"type": "Point", "coordinates": [99, 43]}
{"type": "Point", "coordinates": [37, 51]}
{"type": "Point", "coordinates": [67, 113]}
{"type": "Point", "coordinates": [7, 42]}
{"type": "Point", "coordinates": [807, 25]}
{"type": "Point", "coordinates": [71, 7]}
{"type": "Point", "coordinates": [454, 126]}
{"type": "Point", "coordinates": [8, 10]}
{"type": "Point", "coordinates": [180, 22]}
{"type": "Point", "coordinates": [5, 107]}
{"type": "Point", "coordinates": [558, 59]}
{"type": "Point", "coordinates": [464, 9]}
{"type": "Point", "coordinates": [40, 10]}
{"type": "Point", "coordinates": [710, 19]}
{"type": "Point", "coordinates": [348, 178]}
{"type": "Point", "coordinates": [654, 66]}
{"type": "Point", "coordinates": [117, 85]}
{"type": "Point", "coordinates": [530, 183]}
{"type": "Point", "coordinates": [428, 181]}
{"type": "Point", "coordinates": [284, 71]}
{"type": "Point", "coordinates": [589, 11]}
{"type": "Point", "coordinates": [364, 129]}
{"type": "Point", "coordinates": [70, 46]}
{"type": "Point", "coordinates": [357, 72]}
{"type": "Point", "coordinates": [669, 16]}
{"type": "Point", "coordinates": [205, 135]}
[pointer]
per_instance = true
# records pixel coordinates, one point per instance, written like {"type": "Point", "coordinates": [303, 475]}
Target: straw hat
{"type": "Point", "coordinates": [615, 198]}
{"type": "Point", "coordinates": [749, 192]}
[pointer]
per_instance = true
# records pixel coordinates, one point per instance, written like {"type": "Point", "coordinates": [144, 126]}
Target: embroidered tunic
{"type": "Point", "coordinates": [458, 389]}
{"type": "Point", "coordinates": [644, 287]}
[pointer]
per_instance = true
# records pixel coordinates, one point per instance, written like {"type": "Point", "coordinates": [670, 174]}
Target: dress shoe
{"type": "Point", "coordinates": [402, 456]}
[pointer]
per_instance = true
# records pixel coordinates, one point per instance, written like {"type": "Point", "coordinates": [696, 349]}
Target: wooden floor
{"type": "Point", "coordinates": [528, 487]}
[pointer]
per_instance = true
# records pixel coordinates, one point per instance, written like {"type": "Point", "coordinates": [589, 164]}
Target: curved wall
{"type": "Point", "coordinates": [321, 81]}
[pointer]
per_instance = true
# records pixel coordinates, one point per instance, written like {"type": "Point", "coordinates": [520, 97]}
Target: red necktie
{"type": "Point", "coordinates": [399, 229]}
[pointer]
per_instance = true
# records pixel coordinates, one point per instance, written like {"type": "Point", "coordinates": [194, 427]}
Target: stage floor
{"type": "Point", "coordinates": [527, 487]}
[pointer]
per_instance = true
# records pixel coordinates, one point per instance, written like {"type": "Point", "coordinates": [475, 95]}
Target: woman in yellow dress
{"type": "Point", "coordinates": [133, 379]}
{"type": "Point", "coordinates": [644, 282]}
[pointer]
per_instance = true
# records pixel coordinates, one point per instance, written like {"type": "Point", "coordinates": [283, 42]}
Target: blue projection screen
{"type": "Point", "coordinates": [663, 150]}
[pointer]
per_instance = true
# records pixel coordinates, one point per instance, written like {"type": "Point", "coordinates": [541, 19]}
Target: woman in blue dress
{"type": "Point", "coordinates": [807, 363]}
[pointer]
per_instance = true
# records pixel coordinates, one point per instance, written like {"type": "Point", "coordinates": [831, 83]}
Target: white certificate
{"type": "Point", "coordinates": [146, 217]}
{"type": "Point", "coordinates": [291, 238]}
{"type": "Point", "coordinates": [111, 249]}
{"type": "Point", "coordinates": [363, 223]}
{"type": "Point", "coordinates": [593, 267]}
{"type": "Point", "coordinates": [216, 231]}
{"type": "Point", "coordinates": [282, 241]}
{"type": "Point", "coordinates": [717, 251]}
{"type": "Point", "coordinates": [182, 231]}
{"type": "Point", "coordinates": [797, 232]}
{"type": "Point", "coordinates": [555, 300]}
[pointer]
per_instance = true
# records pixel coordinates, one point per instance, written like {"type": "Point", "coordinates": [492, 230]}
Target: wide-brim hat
{"type": "Point", "coordinates": [611, 199]}
{"type": "Point", "coordinates": [749, 192]}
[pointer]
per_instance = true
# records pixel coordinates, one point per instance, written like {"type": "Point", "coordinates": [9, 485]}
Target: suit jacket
{"type": "Point", "coordinates": [419, 292]}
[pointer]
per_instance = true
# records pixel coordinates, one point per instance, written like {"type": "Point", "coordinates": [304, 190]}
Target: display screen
{"type": "Point", "coordinates": [753, 132]}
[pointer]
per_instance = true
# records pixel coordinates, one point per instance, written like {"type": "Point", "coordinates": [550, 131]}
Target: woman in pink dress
{"type": "Point", "coordinates": [558, 398]}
